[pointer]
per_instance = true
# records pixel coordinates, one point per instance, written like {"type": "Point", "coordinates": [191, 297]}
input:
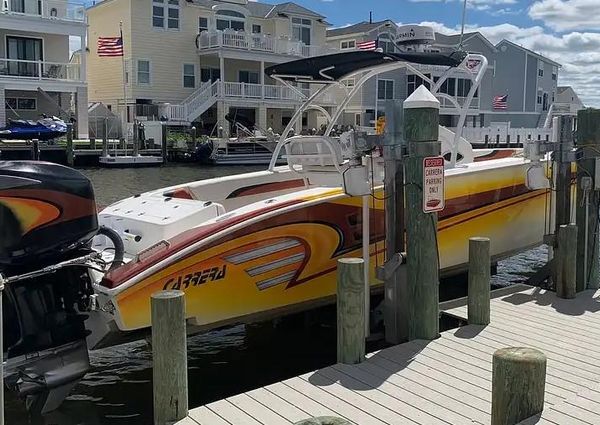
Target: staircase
{"type": "Point", "coordinates": [199, 101]}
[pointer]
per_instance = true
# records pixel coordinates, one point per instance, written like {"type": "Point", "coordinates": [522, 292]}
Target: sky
{"type": "Point", "coordinates": [567, 31]}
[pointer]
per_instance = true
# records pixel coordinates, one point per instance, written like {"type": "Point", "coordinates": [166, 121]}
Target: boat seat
{"type": "Point", "coordinates": [314, 154]}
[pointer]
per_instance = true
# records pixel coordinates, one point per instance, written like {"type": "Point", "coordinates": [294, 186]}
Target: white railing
{"type": "Point", "coordinates": [258, 42]}
{"type": "Point", "coordinates": [267, 92]}
{"type": "Point", "coordinates": [504, 134]}
{"type": "Point", "coordinates": [445, 103]}
{"type": "Point", "coordinates": [51, 9]}
{"type": "Point", "coordinates": [39, 70]}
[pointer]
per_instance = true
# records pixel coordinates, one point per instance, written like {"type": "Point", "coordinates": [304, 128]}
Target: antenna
{"type": "Point", "coordinates": [462, 30]}
{"type": "Point", "coordinates": [371, 17]}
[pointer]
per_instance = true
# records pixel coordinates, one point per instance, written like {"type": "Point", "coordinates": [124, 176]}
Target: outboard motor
{"type": "Point", "coordinates": [47, 220]}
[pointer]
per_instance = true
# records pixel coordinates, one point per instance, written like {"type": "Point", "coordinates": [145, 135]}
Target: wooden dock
{"type": "Point", "coordinates": [446, 381]}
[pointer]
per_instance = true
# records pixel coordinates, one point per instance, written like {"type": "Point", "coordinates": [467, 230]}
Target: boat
{"type": "Point", "coordinates": [122, 161]}
{"type": "Point", "coordinates": [46, 128]}
{"type": "Point", "coordinates": [259, 244]}
{"type": "Point", "coordinates": [242, 248]}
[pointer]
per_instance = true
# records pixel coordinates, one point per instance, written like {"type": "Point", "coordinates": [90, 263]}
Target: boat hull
{"type": "Point", "coordinates": [283, 257]}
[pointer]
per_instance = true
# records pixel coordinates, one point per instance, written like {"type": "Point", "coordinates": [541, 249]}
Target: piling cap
{"type": "Point", "coordinates": [421, 98]}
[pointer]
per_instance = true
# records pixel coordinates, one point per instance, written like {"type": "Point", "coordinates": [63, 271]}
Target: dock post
{"type": "Point", "coordinates": [35, 150]}
{"type": "Point", "coordinates": [566, 262]}
{"type": "Point", "coordinates": [169, 357]}
{"type": "Point", "coordinates": [395, 284]}
{"type": "Point", "coordinates": [70, 150]}
{"type": "Point", "coordinates": [193, 131]}
{"type": "Point", "coordinates": [163, 146]}
{"type": "Point", "coordinates": [518, 382]}
{"type": "Point", "coordinates": [588, 199]}
{"type": "Point", "coordinates": [136, 142]}
{"type": "Point", "coordinates": [92, 143]}
{"type": "Point", "coordinates": [479, 281]}
{"type": "Point", "coordinates": [105, 138]}
{"type": "Point", "coordinates": [351, 332]}
{"type": "Point", "coordinates": [421, 131]}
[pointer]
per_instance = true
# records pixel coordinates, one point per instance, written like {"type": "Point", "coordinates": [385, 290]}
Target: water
{"type": "Point", "coordinates": [118, 388]}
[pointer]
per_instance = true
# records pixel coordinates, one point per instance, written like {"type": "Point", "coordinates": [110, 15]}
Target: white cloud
{"type": "Point", "coordinates": [474, 4]}
{"type": "Point", "coordinates": [564, 15]}
{"type": "Point", "coordinates": [578, 52]}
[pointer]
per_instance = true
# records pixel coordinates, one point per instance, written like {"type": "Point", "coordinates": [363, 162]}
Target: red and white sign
{"type": "Point", "coordinates": [433, 184]}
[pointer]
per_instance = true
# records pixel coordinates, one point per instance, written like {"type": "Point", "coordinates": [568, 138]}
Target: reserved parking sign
{"type": "Point", "coordinates": [433, 184]}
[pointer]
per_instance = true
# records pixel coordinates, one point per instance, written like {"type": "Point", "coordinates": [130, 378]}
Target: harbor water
{"type": "Point", "coordinates": [118, 388]}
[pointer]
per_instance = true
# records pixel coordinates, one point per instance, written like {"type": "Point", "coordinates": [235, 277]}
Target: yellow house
{"type": "Point", "coordinates": [199, 60]}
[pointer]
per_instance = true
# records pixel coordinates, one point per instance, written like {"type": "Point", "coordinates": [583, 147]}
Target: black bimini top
{"type": "Point", "coordinates": [335, 67]}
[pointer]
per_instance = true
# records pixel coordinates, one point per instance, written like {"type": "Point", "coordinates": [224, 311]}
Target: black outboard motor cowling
{"type": "Point", "coordinates": [47, 216]}
{"type": "Point", "coordinates": [46, 210]}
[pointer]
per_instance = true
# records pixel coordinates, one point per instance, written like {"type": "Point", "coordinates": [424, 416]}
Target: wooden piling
{"type": "Point", "coordinates": [35, 150]}
{"type": "Point", "coordinates": [518, 383]}
{"type": "Point", "coordinates": [479, 281]}
{"type": "Point", "coordinates": [165, 134]}
{"type": "Point", "coordinates": [588, 201]}
{"type": "Point", "coordinates": [566, 262]}
{"type": "Point", "coordinates": [136, 142]}
{"type": "Point", "coordinates": [421, 131]}
{"type": "Point", "coordinates": [169, 357]}
{"type": "Point", "coordinates": [350, 311]}
{"type": "Point", "coordinates": [70, 149]}
{"type": "Point", "coordinates": [324, 420]}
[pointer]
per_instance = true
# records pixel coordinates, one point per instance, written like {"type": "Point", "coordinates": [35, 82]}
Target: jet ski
{"type": "Point", "coordinates": [47, 128]}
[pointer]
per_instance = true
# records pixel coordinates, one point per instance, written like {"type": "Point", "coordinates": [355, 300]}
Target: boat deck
{"type": "Point", "coordinates": [446, 381]}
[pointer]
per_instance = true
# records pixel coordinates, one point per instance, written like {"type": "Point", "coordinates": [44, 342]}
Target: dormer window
{"type": "Point", "coordinates": [386, 44]}
{"type": "Point", "coordinates": [301, 29]}
{"type": "Point", "coordinates": [230, 19]}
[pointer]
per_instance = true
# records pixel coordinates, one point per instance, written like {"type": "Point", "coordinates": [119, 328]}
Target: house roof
{"type": "Point", "coordinates": [454, 39]}
{"type": "Point", "coordinates": [290, 7]}
{"type": "Point", "coordinates": [359, 28]}
{"type": "Point", "coordinates": [531, 52]}
{"type": "Point", "coordinates": [562, 89]}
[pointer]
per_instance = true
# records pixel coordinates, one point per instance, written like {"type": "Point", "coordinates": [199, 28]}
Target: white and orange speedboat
{"type": "Point", "coordinates": [255, 245]}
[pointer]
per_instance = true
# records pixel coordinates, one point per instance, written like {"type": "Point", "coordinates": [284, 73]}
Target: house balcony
{"type": "Point", "coordinates": [267, 93]}
{"type": "Point", "coordinates": [44, 16]}
{"type": "Point", "coordinates": [208, 41]}
{"type": "Point", "coordinates": [446, 106]}
{"type": "Point", "coordinates": [29, 75]}
{"type": "Point", "coordinates": [56, 10]}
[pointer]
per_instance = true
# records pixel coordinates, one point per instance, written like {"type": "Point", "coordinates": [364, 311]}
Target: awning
{"type": "Point", "coordinates": [337, 66]}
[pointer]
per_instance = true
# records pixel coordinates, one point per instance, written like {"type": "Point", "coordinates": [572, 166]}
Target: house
{"type": "Point", "coordinates": [36, 76]}
{"type": "Point", "coordinates": [567, 101]}
{"type": "Point", "coordinates": [202, 60]}
{"type": "Point", "coordinates": [528, 79]}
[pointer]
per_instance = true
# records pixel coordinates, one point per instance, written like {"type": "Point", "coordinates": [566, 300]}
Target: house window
{"type": "Point", "coordinates": [165, 14]}
{"type": "Point", "coordinates": [414, 81]}
{"type": "Point", "coordinates": [23, 49]}
{"type": "Point", "coordinates": [554, 73]}
{"type": "Point", "coordinates": [21, 103]}
{"type": "Point", "coordinates": [209, 74]}
{"type": "Point", "coordinates": [250, 77]}
{"type": "Point", "coordinates": [202, 24]}
{"type": "Point", "coordinates": [357, 119]}
{"type": "Point", "coordinates": [385, 43]}
{"type": "Point", "coordinates": [143, 72]}
{"type": "Point", "coordinates": [230, 19]}
{"type": "Point", "coordinates": [540, 72]}
{"type": "Point", "coordinates": [301, 29]}
{"type": "Point", "coordinates": [349, 82]}
{"type": "Point", "coordinates": [189, 75]}
{"type": "Point", "coordinates": [348, 44]}
{"type": "Point", "coordinates": [385, 89]}
{"type": "Point", "coordinates": [464, 86]}
{"type": "Point", "coordinates": [539, 98]}
{"type": "Point", "coordinates": [256, 29]}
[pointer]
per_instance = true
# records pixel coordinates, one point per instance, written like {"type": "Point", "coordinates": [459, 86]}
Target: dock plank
{"type": "Point", "coordinates": [445, 381]}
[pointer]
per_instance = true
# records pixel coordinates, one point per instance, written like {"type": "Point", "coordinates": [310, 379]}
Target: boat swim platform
{"type": "Point", "coordinates": [445, 381]}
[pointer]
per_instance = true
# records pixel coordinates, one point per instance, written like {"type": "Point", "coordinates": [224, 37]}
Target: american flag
{"type": "Point", "coordinates": [367, 45]}
{"type": "Point", "coordinates": [109, 47]}
{"type": "Point", "coordinates": [500, 102]}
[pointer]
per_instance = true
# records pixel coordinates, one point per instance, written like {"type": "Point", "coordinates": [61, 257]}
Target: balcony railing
{"type": "Point", "coordinates": [52, 9]}
{"type": "Point", "coordinates": [267, 92]}
{"type": "Point", "coordinates": [447, 104]}
{"type": "Point", "coordinates": [38, 70]}
{"type": "Point", "coordinates": [259, 43]}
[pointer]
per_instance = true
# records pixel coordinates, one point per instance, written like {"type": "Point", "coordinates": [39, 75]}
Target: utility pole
{"type": "Point", "coordinates": [421, 130]}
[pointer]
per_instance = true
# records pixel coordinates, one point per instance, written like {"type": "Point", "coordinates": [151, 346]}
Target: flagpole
{"type": "Point", "coordinates": [125, 132]}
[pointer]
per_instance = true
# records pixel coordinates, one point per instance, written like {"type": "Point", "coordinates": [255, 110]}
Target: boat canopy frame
{"type": "Point", "coordinates": [472, 65]}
